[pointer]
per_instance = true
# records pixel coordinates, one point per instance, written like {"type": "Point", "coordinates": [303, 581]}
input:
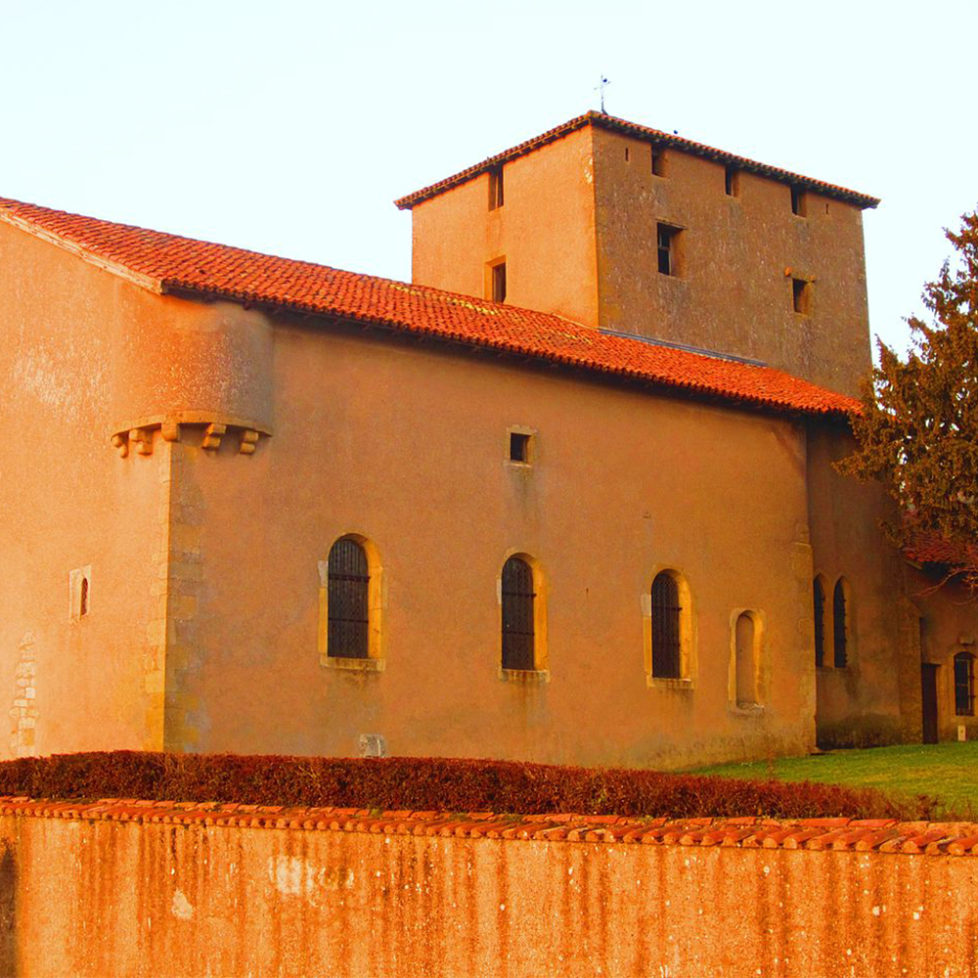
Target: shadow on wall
{"type": "Point", "coordinates": [8, 913]}
{"type": "Point", "coordinates": [872, 730]}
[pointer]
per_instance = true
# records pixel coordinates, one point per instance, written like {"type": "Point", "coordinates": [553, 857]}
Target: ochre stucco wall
{"type": "Point", "coordinates": [544, 230]}
{"type": "Point", "coordinates": [622, 483]}
{"type": "Point", "coordinates": [871, 700]}
{"type": "Point", "coordinates": [66, 503]}
{"type": "Point", "coordinates": [85, 894]}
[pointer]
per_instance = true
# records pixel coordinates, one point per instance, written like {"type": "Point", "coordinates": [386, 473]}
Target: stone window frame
{"type": "Point", "coordinates": [375, 660]}
{"type": "Point", "coordinates": [688, 659]}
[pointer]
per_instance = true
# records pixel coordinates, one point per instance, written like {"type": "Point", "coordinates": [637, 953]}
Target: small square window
{"type": "Point", "coordinates": [731, 181]}
{"type": "Point", "coordinates": [798, 201]}
{"type": "Point", "coordinates": [519, 447]}
{"type": "Point", "coordinates": [495, 187]}
{"type": "Point", "coordinates": [801, 295]}
{"type": "Point", "coordinates": [658, 162]}
{"type": "Point", "coordinates": [667, 238]}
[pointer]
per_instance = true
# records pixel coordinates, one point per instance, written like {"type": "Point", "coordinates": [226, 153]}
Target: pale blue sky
{"type": "Point", "coordinates": [290, 128]}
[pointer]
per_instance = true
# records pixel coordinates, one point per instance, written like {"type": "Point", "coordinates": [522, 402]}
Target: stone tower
{"type": "Point", "coordinates": [633, 230]}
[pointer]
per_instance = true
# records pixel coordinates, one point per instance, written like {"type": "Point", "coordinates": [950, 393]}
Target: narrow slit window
{"type": "Point", "coordinates": [731, 181]}
{"type": "Point", "coordinates": [495, 188]}
{"type": "Point", "coordinates": [964, 684]}
{"type": "Point", "coordinates": [518, 609]}
{"type": "Point", "coordinates": [840, 624]}
{"type": "Point", "coordinates": [801, 295]}
{"type": "Point", "coordinates": [667, 238]}
{"type": "Point", "coordinates": [798, 202]}
{"type": "Point", "coordinates": [658, 162]}
{"type": "Point", "coordinates": [83, 598]}
{"type": "Point", "coordinates": [498, 283]}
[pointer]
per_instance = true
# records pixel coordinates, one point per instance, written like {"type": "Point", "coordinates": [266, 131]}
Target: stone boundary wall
{"type": "Point", "coordinates": [141, 888]}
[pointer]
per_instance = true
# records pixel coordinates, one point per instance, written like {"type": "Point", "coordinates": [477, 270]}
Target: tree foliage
{"type": "Point", "coordinates": [918, 431]}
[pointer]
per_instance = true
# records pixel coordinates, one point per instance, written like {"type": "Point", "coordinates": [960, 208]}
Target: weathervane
{"type": "Point", "coordinates": [600, 87]}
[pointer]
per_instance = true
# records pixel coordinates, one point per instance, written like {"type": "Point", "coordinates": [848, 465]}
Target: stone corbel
{"type": "Point", "coordinates": [138, 434]}
{"type": "Point", "coordinates": [249, 439]}
{"type": "Point", "coordinates": [212, 436]}
{"type": "Point", "coordinates": [143, 439]}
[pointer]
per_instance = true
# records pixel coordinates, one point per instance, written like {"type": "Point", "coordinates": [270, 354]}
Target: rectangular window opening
{"type": "Point", "coordinates": [731, 181]}
{"type": "Point", "coordinates": [519, 447]}
{"type": "Point", "coordinates": [495, 187]}
{"type": "Point", "coordinates": [658, 162]}
{"type": "Point", "coordinates": [801, 295]}
{"type": "Point", "coordinates": [666, 240]}
{"type": "Point", "coordinates": [798, 201]}
{"type": "Point", "coordinates": [498, 283]}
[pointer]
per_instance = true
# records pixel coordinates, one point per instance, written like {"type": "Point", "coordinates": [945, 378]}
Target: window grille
{"type": "Point", "coordinates": [818, 601]}
{"type": "Point", "coordinates": [518, 607]}
{"type": "Point", "coordinates": [840, 624]}
{"type": "Point", "coordinates": [964, 684]}
{"type": "Point", "coordinates": [665, 627]}
{"type": "Point", "coordinates": [348, 580]}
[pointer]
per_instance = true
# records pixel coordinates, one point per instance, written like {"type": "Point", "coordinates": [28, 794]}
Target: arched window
{"type": "Point", "coordinates": [818, 605]}
{"type": "Point", "coordinates": [518, 615]}
{"type": "Point", "coordinates": [348, 585]}
{"type": "Point", "coordinates": [666, 628]}
{"type": "Point", "coordinates": [964, 684]}
{"type": "Point", "coordinates": [745, 654]}
{"type": "Point", "coordinates": [840, 623]}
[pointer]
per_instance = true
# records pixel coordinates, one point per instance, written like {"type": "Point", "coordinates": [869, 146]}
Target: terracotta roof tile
{"type": "Point", "coordinates": [656, 136]}
{"type": "Point", "coordinates": [170, 263]}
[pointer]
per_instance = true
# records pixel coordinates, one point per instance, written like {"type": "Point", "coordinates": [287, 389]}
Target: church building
{"type": "Point", "coordinates": [568, 496]}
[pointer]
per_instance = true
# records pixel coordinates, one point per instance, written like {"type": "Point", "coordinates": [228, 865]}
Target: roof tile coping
{"type": "Point", "coordinates": [655, 136]}
{"type": "Point", "coordinates": [818, 834]}
{"type": "Point", "coordinates": [168, 263]}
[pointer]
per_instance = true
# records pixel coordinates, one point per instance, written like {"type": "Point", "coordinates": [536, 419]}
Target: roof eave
{"type": "Point", "coordinates": [611, 123]}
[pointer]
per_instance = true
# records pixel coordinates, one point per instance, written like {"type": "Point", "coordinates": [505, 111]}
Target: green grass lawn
{"type": "Point", "coordinates": [948, 772]}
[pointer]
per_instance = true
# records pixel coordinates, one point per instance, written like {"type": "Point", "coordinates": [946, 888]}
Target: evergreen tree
{"type": "Point", "coordinates": [918, 430]}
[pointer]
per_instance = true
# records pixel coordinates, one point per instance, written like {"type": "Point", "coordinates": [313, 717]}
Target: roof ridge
{"type": "Point", "coordinates": [166, 262]}
{"type": "Point", "coordinates": [610, 122]}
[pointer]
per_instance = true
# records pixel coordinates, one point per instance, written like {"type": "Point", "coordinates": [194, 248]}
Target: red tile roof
{"type": "Point", "coordinates": [170, 263]}
{"type": "Point", "coordinates": [655, 136]}
{"type": "Point", "coordinates": [932, 548]}
{"type": "Point", "coordinates": [818, 834]}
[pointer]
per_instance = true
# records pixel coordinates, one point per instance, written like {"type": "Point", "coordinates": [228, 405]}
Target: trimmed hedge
{"type": "Point", "coordinates": [426, 783]}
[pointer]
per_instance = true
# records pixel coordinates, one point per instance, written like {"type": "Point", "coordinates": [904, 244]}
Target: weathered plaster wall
{"type": "Point", "coordinates": [875, 698]}
{"type": "Point", "coordinates": [544, 231]}
{"type": "Point", "coordinates": [72, 682]}
{"type": "Point", "coordinates": [737, 255]}
{"type": "Point", "coordinates": [94, 367]}
{"type": "Point", "coordinates": [622, 483]}
{"type": "Point", "coordinates": [944, 622]}
{"type": "Point", "coordinates": [171, 893]}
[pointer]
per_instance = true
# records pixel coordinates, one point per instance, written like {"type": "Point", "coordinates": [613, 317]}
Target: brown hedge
{"type": "Point", "coordinates": [426, 783]}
